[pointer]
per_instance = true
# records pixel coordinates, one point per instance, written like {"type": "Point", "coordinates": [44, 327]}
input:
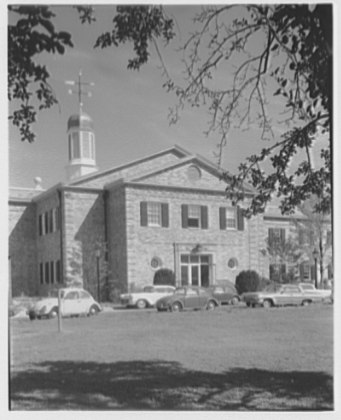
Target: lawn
{"type": "Point", "coordinates": [231, 359]}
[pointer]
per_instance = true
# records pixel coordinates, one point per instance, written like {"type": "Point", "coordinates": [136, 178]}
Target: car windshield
{"type": "Point", "coordinates": [272, 288]}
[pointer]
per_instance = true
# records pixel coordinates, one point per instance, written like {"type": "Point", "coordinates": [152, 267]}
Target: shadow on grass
{"type": "Point", "coordinates": [161, 385]}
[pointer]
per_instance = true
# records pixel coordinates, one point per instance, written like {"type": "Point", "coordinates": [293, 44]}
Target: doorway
{"type": "Point", "coordinates": [195, 270]}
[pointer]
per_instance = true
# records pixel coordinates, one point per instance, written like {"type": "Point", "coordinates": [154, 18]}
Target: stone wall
{"type": "Point", "coordinates": [23, 273]}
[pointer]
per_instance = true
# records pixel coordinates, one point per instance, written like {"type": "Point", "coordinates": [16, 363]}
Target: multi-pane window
{"type": "Point", "coordinates": [154, 214]}
{"type": "Point", "coordinates": [50, 272]}
{"type": "Point", "coordinates": [276, 236]}
{"type": "Point", "coordinates": [231, 218]}
{"type": "Point", "coordinates": [194, 216]}
{"type": "Point", "coordinates": [49, 221]}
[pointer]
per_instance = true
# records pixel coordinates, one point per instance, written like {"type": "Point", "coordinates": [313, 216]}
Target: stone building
{"type": "Point", "coordinates": [117, 227]}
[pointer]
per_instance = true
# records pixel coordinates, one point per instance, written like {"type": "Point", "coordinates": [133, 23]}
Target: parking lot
{"type": "Point", "coordinates": [234, 358]}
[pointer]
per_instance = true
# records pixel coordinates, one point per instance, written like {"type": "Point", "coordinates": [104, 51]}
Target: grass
{"type": "Point", "coordinates": [234, 358]}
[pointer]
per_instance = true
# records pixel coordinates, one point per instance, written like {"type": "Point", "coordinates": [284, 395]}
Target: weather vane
{"type": "Point", "coordinates": [80, 88]}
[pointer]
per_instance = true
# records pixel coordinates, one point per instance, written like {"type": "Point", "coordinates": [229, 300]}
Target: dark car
{"type": "Point", "coordinates": [226, 294]}
{"type": "Point", "coordinates": [187, 297]}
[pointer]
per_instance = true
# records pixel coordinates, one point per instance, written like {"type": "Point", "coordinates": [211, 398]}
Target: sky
{"type": "Point", "coordinates": [129, 108]}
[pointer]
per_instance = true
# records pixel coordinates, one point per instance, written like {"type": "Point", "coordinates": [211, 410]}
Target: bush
{"type": "Point", "coordinates": [164, 276]}
{"type": "Point", "coordinates": [248, 281]}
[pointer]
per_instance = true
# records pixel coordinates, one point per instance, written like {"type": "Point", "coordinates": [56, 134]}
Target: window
{"type": "Point", "coordinates": [276, 236]}
{"type": "Point", "coordinates": [194, 216]}
{"type": "Point", "coordinates": [231, 218]}
{"type": "Point", "coordinates": [49, 221]}
{"type": "Point", "coordinates": [154, 214]}
{"type": "Point", "coordinates": [156, 263]}
{"type": "Point", "coordinates": [232, 263]}
{"type": "Point", "coordinates": [277, 271]}
{"type": "Point", "coordinates": [75, 146]}
{"type": "Point", "coordinates": [86, 145]}
{"type": "Point", "coordinates": [194, 173]}
{"type": "Point", "coordinates": [41, 271]}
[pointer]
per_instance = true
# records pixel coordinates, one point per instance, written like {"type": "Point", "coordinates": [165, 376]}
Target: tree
{"type": "Point", "coordinates": [285, 49]}
{"type": "Point", "coordinates": [315, 233]}
{"type": "Point", "coordinates": [164, 276]}
{"type": "Point", "coordinates": [237, 57]}
{"type": "Point", "coordinates": [283, 253]}
{"type": "Point", "coordinates": [32, 34]}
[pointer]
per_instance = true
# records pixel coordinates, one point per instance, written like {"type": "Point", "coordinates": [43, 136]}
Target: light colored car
{"type": "Point", "coordinates": [281, 295]}
{"type": "Point", "coordinates": [74, 302]}
{"type": "Point", "coordinates": [147, 297]}
{"type": "Point", "coordinates": [309, 288]}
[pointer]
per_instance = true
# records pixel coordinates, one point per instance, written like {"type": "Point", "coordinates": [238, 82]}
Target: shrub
{"type": "Point", "coordinates": [248, 281]}
{"type": "Point", "coordinates": [164, 276]}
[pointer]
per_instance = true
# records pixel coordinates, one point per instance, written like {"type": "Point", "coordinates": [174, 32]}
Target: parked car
{"type": "Point", "coordinates": [74, 302]}
{"type": "Point", "coordinates": [187, 297]}
{"type": "Point", "coordinates": [226, 294]}
{"type": "Point", "coordinates": [280, 295]}
{"type": "Point", "coordinates": [309, 288]}
{"type": "Point", "coordinates": [147, 297]}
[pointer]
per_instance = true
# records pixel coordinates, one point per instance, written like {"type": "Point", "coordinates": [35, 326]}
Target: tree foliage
{"type": "Point", "coordinates": [248, 281]}
{"type": "Point", "coordinates": [32, 34]}
{"type": "Point", "coordinates": [241, 62]}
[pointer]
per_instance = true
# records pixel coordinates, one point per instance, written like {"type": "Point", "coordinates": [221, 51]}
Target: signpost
{"type": "Point", "coordinates": [60, 302]}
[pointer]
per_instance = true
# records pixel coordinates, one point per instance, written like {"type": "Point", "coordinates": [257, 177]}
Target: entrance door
{"type": "Point", "coordinates": [195, 270]}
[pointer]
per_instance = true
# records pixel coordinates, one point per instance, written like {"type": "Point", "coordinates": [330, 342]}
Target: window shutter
{"type": "Point", "coordinates": [282, 236]}
{"type": "Point", "coordinates": [143, 213]}
{"type": "Point", "coordinates": [204, 217]}
{"type": "Point", "coordinates": [222, 218]}
{"type": "Point", "coordinates": [184, 215]}
{"type": "Point", "coordinates": [271, 237]}
{"type": "Point", "coordinates": [240, 218]}
{"type": "Point", "coordinates": [164, 215]}
{"type": "Point", "coordinates": [40, 225]}
{"type": "Point", "coordinates": [302, 272]}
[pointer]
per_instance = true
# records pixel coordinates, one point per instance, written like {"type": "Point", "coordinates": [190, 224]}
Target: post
{"type": "Point", "coordinates": [316, 283]}
{"type": "Point", "coordinates": [315, 255]}
{"type": "Point", "coordinates": [60, 296]}
{"type": "Point", "coordinates": [98, 278]}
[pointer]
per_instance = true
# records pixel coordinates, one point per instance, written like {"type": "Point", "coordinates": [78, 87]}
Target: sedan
{"type": "Point", "coordinates": [187, 297]}
{"type": "Point", "coordinates": [225, 294]}
{"type": "Point", "coordinates": [74, 302]}
{"type": "Point", "coordinates": [280, 295]}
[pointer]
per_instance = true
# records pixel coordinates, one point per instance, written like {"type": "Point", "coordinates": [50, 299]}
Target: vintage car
{"type": "Point", "coordinates": [225, 294]}
{"type": "Point", "coordinates": [74, 302]}
{"type": "Point", "coordinates": [187, 297]}
{"type": "Point", "coordinates": [147, 297]}
{"type": "Point", "coordinates": [281, 295]}
{"type": "Point", "coordinates": [309, 288]}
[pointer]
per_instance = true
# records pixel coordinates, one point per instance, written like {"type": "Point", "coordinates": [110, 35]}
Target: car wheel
{"type": "Point", "coordinates": [32, 317]}
{"type": "Point", "coordinates": [234, 300]}
{"type": "Point", "coordinates": [93, 310]}
{"type": "Point", "coordinates": [176, 307]}
{"type": "Point", "coordinates": [141, 304]}
{"type": "Point", "coordinates": [53, 313]}
{"type": "Point", "coordinates": [306, 303]}
{"type": "Point", "coordinates": [248, 304]}
{"type": "Point", "coordinates": [267, 304]}
{"type": "Point", "coordinates": [210, 305]}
